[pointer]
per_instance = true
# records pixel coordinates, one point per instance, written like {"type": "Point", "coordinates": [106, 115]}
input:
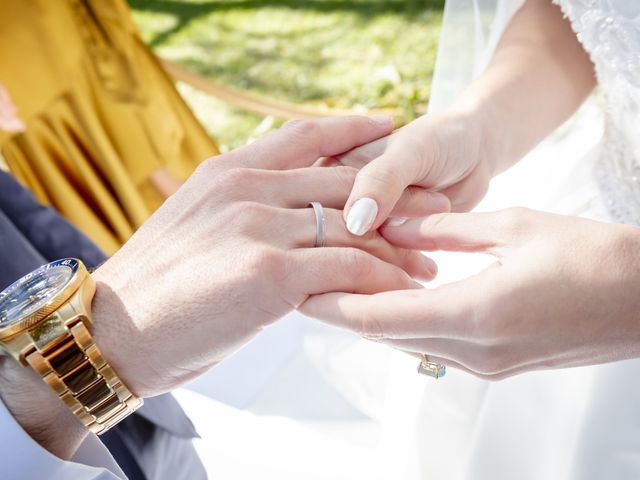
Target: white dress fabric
{"type": "Point", "coordinates": [566, 424]}
{"type": "Point", "coordinates": [610, 31]}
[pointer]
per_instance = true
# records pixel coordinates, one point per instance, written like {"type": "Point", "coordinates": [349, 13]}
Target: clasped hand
{"type": "Point", "coordinates": [232, 251]}
{"type": "Point", "coordinates": [563, 291]}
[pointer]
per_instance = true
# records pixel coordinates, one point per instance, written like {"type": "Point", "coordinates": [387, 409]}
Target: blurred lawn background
{"type": "Point", "coordinates": [349, 54]}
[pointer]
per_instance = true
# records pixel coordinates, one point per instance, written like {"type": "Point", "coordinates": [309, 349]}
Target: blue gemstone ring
{"type": "Point", "coordinates": [431, 369]}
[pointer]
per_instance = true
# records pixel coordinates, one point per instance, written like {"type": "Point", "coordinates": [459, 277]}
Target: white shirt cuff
{"type": "Point", "coordinates": [24, 458]}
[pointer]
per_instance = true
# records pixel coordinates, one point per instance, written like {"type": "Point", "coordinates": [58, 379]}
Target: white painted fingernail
{"type": "Point", "coordinates": [395, 221]}
{"type": "Point", "coordinates": [361, 216]}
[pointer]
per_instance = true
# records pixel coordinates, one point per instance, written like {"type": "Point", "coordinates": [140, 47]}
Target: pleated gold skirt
{"type": "Point", "coordinates": [101, 114]}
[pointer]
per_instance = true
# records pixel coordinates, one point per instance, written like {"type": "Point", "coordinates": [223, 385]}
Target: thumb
{"type": "Point", "coordinates": [378, 187]}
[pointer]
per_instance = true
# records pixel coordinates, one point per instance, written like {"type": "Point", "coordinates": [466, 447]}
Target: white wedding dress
{"type": "Point", "coordinates": [566, 424]}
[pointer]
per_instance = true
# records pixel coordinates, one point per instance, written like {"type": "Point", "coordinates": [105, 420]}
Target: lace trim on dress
{"type": "Point", "coordinates": [609, 31]}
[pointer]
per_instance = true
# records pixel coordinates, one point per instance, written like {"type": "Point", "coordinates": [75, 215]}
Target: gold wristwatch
{"type": "Point", "coordinates": [45, 323]}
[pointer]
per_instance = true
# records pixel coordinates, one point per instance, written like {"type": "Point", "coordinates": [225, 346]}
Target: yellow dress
{"type": "Point", "coordinates": [101, 114]}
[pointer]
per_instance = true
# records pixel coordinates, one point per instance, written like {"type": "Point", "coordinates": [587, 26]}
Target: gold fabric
{"type": "Point", "coordinates": [100, 112]}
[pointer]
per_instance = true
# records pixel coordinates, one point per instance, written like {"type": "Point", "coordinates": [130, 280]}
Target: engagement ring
{"type": "Point", "coordinates": [431, 369]}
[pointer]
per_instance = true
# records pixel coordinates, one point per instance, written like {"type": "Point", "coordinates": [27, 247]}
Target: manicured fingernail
{"type": "Point", "coordinates": [395, 221]}
{"type": "Point", "coordinates": [361, 216]}
{"type": "Point", "coordinates": [383, 120]}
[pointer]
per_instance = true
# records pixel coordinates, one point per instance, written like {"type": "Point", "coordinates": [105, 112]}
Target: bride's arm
{"type": "Point", "coordinates": [538, 76]}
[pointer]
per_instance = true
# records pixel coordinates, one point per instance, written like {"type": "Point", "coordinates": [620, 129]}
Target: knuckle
{"type": "Point", "coordinates": [232, 215]}
{"type": "Point", "coordinates": [239, 183]}
{"type": "Point", "coordinates": [208, 167]}
{"type": "Point", "coordinates": [432, 222]}
{"type": "Point", "coordinates": [515, 220]}
{"type": "Point", "coordinates": [415, 151]}
{"type": "Point", "coordinates": [429, 225]}
{"type": "Point", "coordinates": [367, 325]}
{"type": "Point", "coordinates": [344, 177]}
{"type": "Point", "coordinates": [406, 257]}
{"type": "Point", "coordinates": [235, 177]}
{"type": "Point", "coordinates": [257, 214]}
{"type": "Point", "coordinates": [213, 167]}
{"type": "Point", "coordinates": [358, 263]}
{"type": "Point", "coordinates": [248, 217]}
{"type": "Point", "coordinates": [266, 260]}
{"type": "Point", "coordinates": [370, 328]}
{"type": "Point", "coordinates": [302, 127]}
{"type": "Point", "coordinates": [364, 154]}
{"type": "Point", "coordinates": [381, 176]}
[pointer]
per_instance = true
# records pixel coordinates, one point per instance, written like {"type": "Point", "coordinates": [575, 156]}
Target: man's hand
{"type": "Point", "coordinates": [232, 251]}
{"type": "Point", "coordinates": [225, 256]}
{"type": "Point", "coordinates": [564, 292]}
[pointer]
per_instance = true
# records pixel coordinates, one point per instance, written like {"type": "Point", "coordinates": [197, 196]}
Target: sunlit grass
{"type": "Point", "coordinates": [335, 53]}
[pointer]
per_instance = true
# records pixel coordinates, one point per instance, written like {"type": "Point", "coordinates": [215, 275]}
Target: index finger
{"type": "Point", "coordinates": [453, 311]}
{"type": "Point", "coordinates": [360, 156]}
{"type": "Point", "coordinates": [301, 142]}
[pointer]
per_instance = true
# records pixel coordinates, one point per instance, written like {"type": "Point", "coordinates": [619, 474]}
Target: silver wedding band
{"type": "Point", "coordinates": [431, 369]}
{"type": "Point", "coordinates": [321, 224]}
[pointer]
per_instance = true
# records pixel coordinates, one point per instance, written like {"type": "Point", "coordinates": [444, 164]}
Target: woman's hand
{"type": "Point", "coordinates": [563, 292]}
{"type": "Point", "coordinates": [538, 76]}
{"type": "Point", "coordinates": [443, 152]}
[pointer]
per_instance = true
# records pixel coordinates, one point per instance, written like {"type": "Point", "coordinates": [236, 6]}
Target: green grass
{"type": "Point", "coordinates": [335, 53]}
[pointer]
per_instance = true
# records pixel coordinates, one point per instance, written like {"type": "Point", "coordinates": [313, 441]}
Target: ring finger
{"type": "Point", "coordinates": [331, 187]}
{"type": "Point", "coordinates": [449, 358]}
{"type": "Point", "coordinates": [336, 235]}
{"type": "Point", "coordinates": [442, 361]}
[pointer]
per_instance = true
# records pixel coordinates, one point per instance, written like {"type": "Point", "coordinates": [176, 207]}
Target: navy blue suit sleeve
{"type": "Point", "coordinates": [49, 233]}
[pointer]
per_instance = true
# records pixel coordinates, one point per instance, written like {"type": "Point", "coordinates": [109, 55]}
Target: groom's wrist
{"type": "Point", "coordinates": [34, 405]}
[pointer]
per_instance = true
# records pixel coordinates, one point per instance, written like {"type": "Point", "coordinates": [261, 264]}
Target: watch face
{"type": "Point", "coordinates": [35, 290]}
